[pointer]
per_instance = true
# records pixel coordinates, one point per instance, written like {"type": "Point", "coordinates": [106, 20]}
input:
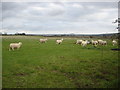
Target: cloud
{"type": "Point", "coordinates": [77, 5]}
{"type": "Point", "coordinates": [59, 17]}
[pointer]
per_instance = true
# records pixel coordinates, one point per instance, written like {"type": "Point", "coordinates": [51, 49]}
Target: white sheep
{"type": "Point", "coordinates": [104, 43]}
{"type": "Point", "coordinates": [15, 46]}
{"type": "Point", "coordinates": [114, 42]}
{"type": "Point", "coordinates": [43, 40]}
{"type": "Point", "coordinates": [59, 41]}
{"type": "Point", "coordinates": [95, 43]}
{"type": "Point", "coordinates": [88, 42]}
{"type": "Point", "coordinates": [84, 43]}
{"type": "Point", "coordinates": [100, 42]}
{"type": "Point", "coordinates": [79, 41]}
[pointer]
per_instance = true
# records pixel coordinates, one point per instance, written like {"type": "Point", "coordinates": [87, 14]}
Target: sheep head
{"type": "Point", "coordinates": [20, 43]}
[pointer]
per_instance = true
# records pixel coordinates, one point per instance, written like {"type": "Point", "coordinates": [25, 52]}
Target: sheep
{"type": "Point", "coordinates": [15, 46]}
{"type": "Point", "coordinates": [88, 42]}
{"type": "Point", "coordinates": [100, 42]}
{"type": "Point", "coordinates": [95, 43]}
{"type": "Point", "coordinates": [43, 40]}
{"type": "Point", "coordinates": [104, 43]}
{"type": "Point", "coordinates": [84, 43]}
{"type": "Point", "coordinates": [114, 42]}
{"type": "Point", "coordinates": [59, 41]}
{"type": "Point", "coordinates": [79, 41]}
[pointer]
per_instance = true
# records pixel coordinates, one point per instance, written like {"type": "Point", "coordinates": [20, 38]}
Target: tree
{"type": "Point", "coordinates": [20, 33]}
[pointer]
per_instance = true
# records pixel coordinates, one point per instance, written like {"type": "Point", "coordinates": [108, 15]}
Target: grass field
{"type": "Point", "coordinates": [49, 65]}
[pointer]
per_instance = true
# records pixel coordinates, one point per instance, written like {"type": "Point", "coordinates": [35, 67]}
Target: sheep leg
{"type": "Point", "coordinates": [9, 49]}
{"type": "Point", "coordinates": [13, 49]}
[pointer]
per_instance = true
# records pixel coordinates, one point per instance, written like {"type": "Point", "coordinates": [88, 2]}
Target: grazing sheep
{"type": "Point", "coordinates": [43, 40]}
{"type": "Point", "coordinates": [59, 41]}
{"type": "Point", "coordinates": [114, 42]}
{"type": "Point", "coordinates": [95, 43]}
{"type": "Point", "coordinates": [15, 46]}
{"type": "Point", "coordinates": [84, 43]}
{"type": "Point", "coordinates": [100, 42]}
{"type": "Point", "coordinates": [104, 42]}
{"type": "Point", "coordinates": [88, 42]}
{"type": "Point", "coordinates": [79, 41]}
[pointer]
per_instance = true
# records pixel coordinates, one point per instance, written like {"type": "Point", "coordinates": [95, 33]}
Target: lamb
{"type": "Point", "coordinates": [79, 41]}
{"type": "Point", "coordinates": [43, 40]}
{"type": "Point", "coordinates": [59, 41]}
{"type": "Point", "coordinates": [114, 42]}
{"type": "Point", "coordinates": [15, 46]}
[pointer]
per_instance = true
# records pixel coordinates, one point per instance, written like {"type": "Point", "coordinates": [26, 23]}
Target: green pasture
{"type": "Point", "coordinates": [49, 65]}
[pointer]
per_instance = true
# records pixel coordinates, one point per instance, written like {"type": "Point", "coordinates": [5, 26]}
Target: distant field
{"type": "Point", "coordinates": [66, 65]}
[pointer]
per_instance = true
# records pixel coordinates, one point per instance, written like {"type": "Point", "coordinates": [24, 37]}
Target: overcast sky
{"type": "Point", "coordinates": [59, 17]}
